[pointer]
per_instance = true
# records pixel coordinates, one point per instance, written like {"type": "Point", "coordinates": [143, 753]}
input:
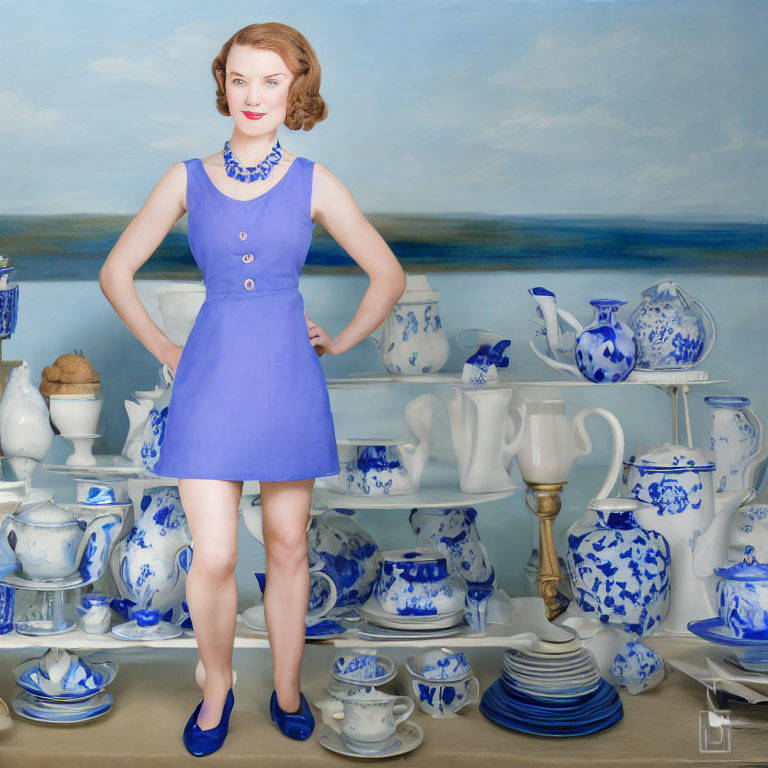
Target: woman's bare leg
{"type": "Point", "coordinates": [211, 507]}
{"type": "Point", "coordinates": [285, 512]}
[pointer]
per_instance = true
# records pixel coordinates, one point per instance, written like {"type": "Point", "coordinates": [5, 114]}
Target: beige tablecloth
{"type": "Point", "coordinates": [155, 692]}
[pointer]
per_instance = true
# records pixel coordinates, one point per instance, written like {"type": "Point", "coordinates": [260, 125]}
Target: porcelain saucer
{"type": "Point", "coordinates": [46, 711]}
{"type": "Point", "coordinates": [715, 631]}
{"type": "Point", "coordinates": [371, 611]}
{"type": "Point", "coordinates": [406, 738]}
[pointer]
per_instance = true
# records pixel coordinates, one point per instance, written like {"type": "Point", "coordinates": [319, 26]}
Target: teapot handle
{"type": "Point", "coordinates": [709, 319]}
{"type": "Point", "coordinates": [570, 318]}
{"type": "Point", "coordinates": [584, 445]}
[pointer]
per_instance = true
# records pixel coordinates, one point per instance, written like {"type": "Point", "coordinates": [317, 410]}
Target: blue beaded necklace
{"type": "Point", "coordinates": [261, 171]}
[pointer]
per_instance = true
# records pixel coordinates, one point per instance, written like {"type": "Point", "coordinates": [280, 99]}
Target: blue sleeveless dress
{"type": "Point", "coordinates": [249, 398]}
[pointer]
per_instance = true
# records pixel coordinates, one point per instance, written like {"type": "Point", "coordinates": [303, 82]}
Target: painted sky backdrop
{"type": "Point", "coordinates": [517, 107]}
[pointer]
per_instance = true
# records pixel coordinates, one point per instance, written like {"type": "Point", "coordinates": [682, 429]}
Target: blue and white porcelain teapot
{"type": "Point", "coordinates": [48, 541]}
{"type": "Point", "coordinates": [673, 330]}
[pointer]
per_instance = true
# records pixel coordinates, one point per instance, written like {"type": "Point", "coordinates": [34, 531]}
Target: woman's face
{"type": "Point", "coordinates": [257, 84]}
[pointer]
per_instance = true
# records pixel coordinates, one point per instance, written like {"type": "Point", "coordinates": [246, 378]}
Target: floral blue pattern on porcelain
{"type": "Point", "coordinates": [619, 571]}
{"type": "Point", "coordinates": [742, 596]}
{"type": "Point", "coordinates": [638, 668]}
{"type": "Point", "coordinates": [673, 330]}
{"type": "Point", "coordinates": [417, 582]}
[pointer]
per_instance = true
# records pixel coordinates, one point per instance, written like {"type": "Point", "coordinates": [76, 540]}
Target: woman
{"type": "Point", "coordinates": [249, 398]}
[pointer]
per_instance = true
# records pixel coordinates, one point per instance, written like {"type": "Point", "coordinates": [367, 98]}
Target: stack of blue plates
{"type": "Point", "coordinates": [552, 689]}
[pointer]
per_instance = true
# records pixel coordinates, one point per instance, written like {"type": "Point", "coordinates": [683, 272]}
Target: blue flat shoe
{"type": "Point", "coordinates": [294, 725]}
{"type": "Point", "coordinates": [199, 742]}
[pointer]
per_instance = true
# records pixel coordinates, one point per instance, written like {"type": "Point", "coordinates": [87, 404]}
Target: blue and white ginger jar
{"type": "Point", "coordinates": [619, 571]}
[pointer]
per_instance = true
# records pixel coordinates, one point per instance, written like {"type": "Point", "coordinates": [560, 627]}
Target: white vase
{"type": "Point", "coordinates": [25, 428]}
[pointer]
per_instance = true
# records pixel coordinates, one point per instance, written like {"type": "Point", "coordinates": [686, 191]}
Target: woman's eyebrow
{"type": "Point", "coordinates": [275, 75]}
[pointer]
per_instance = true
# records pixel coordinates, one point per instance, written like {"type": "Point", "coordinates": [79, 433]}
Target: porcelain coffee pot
{"type": "Point", "coordinates": [549, 444]}
{"type": "Point", "coordinates": [695, 521]}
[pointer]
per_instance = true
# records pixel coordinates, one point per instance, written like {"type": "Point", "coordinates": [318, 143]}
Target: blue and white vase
{"type": "Point", "coordinates": [154, 429]}
{"type": "Point", "coordinates": [7, 601]}
{"type": "Point", "coordinates": [346, 552]}
{"type": "Point", "coordinates": [606, 350]}
{"type": "Point", "coordinates": [619, 571]}
{"type": "Point", "coordinates": [737, 437]}
{"type": "Point", "coordinates": [150, 563]}
{"type": "Point", "coordinates": [637, 667]}
{"type": "Point", "coordinates": [673, 330]}
{"type": "Point", "coordinates": [9, 300]}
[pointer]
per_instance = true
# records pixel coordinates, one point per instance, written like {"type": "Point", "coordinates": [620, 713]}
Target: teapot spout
{"type": "Point", "coordinates": [8, 561]}
{"type": "Point", "coordinates": [558, 343]}
{"type": "Point", "coordinates": [711, 549]}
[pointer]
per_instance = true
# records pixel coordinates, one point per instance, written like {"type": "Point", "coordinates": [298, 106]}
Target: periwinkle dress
{"type": "Point", "coordinates": [249, 399]}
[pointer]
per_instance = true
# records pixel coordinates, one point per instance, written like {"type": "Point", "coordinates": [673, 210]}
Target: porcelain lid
{"type": "Point", "coordinates": [413, 555]}
{"type": "Point", "coordinates": [749, 569]}
{"type": "Point", "coordinates": [672, 458]}
{"type": "Point", "coordinates": [46, 513]}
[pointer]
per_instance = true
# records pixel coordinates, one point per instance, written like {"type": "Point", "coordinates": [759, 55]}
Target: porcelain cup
{"type": "Point", "coordinates": [365, 715]}
{"type": "Point", "coordinates": [75, 414]}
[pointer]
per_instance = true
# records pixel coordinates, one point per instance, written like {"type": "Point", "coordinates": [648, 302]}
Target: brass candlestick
{"type": "Point", "coordinates": [546, 508]}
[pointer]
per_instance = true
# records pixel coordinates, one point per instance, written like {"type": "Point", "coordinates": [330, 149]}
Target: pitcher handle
{"type": "Point", "coordinates": [403, 701]}
{"type": "Point", "coordinates": [513, 446]}
{"type": "Point", "coordinates": [584, 445]}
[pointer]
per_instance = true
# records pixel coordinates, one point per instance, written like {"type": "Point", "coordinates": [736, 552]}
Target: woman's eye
{"type": "Point", "coordinates": [273, 81]}
{"type": "Point", "coordinates": [238, 80]}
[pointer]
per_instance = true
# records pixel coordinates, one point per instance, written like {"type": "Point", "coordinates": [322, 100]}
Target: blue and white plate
{"type": "Point", "coordinates": [46, 711]}
{"type": "Point", "coordinates": [590, 714]}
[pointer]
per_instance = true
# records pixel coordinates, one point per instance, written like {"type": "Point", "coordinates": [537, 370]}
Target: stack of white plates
{"type": "Point", "coordinates": [552, 689]}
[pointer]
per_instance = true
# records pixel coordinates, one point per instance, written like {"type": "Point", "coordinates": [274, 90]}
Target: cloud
{"type": "Point", "coordinates": [45, 125]}
{"type": "Point", "coordinates": [172, 57]}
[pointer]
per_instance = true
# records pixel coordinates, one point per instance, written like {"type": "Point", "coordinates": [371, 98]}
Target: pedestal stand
{"type": "Point", "coordinates": [543, 499]}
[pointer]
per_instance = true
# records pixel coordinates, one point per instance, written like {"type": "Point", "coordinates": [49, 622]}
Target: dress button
{"type": "Point", "coordinates": [247, 258]}
{"type": "Point", "coordinates": [249, 284]}
{"type": "Point", "coordinates": [243, 235]}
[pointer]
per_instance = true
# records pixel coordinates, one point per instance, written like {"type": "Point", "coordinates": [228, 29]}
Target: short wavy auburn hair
{"type": "Point", "coordinates": [305, 105]}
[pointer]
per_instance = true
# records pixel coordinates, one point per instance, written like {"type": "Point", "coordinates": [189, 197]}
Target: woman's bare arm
{"type": "Point", "coordinates": [165, 205]}
{"type": "Point", "coordinates": [337, 211]}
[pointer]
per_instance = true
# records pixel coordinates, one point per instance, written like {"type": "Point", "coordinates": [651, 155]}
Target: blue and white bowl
{"type": "Point", "coordinates": [363, 668]}
{"type": "Point", "coordinates": [442, 682]}
{"type": "Point", "coordinates": [84, 677]}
